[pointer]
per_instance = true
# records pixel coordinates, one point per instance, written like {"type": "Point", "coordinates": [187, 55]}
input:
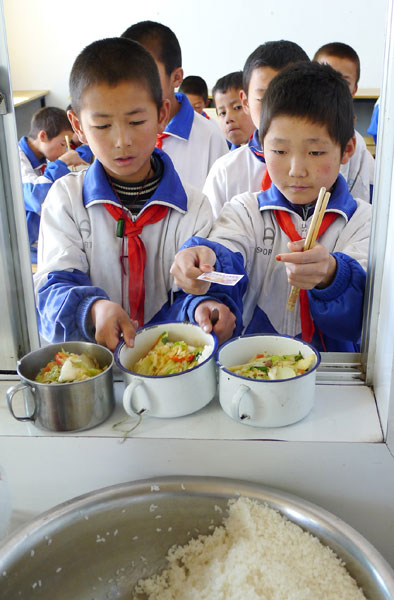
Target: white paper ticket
{"type": "Point", "coordinates": [222, 278]}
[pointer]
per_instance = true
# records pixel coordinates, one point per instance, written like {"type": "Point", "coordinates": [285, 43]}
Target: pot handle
{"type": "Point", "coordinates": [141, 402]}
{"type": "Point", "coordinates": [242, 393]}
{"type": "Point", "coordinates": [11, 393]}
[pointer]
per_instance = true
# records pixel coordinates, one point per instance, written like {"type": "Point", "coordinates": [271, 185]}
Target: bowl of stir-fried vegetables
{"type": "Point", "coordinates": [68, 386]}
{"type": "Point", "coordinates": [170, 372]}
{"type": "Point", "coordinates": [267, 380]}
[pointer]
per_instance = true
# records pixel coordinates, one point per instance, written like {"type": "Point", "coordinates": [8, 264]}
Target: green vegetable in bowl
{"type": "Point", "coordinates": [67, 367]}
{"type": "Point", "coordinates": [265, 366]}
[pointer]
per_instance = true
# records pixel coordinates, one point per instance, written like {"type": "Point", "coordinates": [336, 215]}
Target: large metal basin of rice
{"type": "Point", "coordinates": [97, 546]}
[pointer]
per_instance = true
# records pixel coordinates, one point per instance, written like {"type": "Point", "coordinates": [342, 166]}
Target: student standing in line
{"type": "Point", "coordinates": [243, 170]}
{"type": "Point", "coordinates": [307, 132]}
{"type": "Point", "coordinates": [196, 90]}
{"type": "Point", "coordinates": [44, 157]}
{"type": "Point", "coordinates": [192, 142]}
{"type": "Point", "coordinates": [359, 172]}
{"type": "Point", "coordinates": [109, 234]}
{"type": "Point", "coordinates": [235, 122]}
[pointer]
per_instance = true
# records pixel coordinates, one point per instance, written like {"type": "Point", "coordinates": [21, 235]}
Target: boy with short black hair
{"type": "Point", "coordinates": [359, 172]}
{"type": "Point", "coordinates": [109, 234]}
{"type": "Point", "coordinates": [306, 137]}
{"type": "Point", "coordinates": [196, 91]}
{"type": "Point", "coordinates": [192, 142]}
{"type": "Point", "coordinates": [44, 157]}
{"type": "Point", "coordinates": [235, 123]}
{"type": "Point", "coordinates": [243, 170]}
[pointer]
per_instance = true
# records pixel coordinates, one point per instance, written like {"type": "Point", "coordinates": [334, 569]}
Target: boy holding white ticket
{"type": "Point", "coordinates": [307, 133]}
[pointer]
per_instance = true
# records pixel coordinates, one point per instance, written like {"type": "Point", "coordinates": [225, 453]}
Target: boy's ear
{"type": "Point", "coordinates": [349, 150]}
{"type": "Point", "coordinates": [43, 136]}
{"type": "Point", "coordinates": [244, 101]}
{"type": "Point", "coordinates": [176, 77]}
{"type": "Point", "coordinates": [77, 126]}
{"type": "Point", "coordinates": [164, 115]}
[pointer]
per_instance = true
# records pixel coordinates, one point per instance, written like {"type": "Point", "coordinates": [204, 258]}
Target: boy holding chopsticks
{"type": "Point", "coordinates": [307, 133]}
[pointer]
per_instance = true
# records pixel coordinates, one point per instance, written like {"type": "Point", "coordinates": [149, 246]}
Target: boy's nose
{"type": "Point", "coordinates": [122, 137]}
{"type": "Point", "coordinates": [297, 167]}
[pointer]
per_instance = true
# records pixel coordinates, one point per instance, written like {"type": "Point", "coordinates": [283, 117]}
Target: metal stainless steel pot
{"type": "Point", "coordinates": [98, 545]}
{"type": "Point", "coordinates": [67, 406]}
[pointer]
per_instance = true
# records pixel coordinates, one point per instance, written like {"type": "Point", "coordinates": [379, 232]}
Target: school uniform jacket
{"type": "Point", "coordinates": [359, 171]}
{"type": "Point", "coordinates": [194, 143]}
{"type": "Point", "coordinates": [237, 172]}
{"type": "Point", "coordinates": [246, 239]}
{"type": "Point", "coordinates": [37, 178]}
{"type": "Point", "coordinates": [79, 253]}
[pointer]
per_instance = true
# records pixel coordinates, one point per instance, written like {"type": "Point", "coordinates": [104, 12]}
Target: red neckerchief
{"type": "Point", "coordinates": [42, 168]}
{"type": "Point", "coordinates": [286, 224]}
{"type": "Point", "coordinates": [266, 181]}
{"type": "Point", "coordinates": [159, 139]}
{"type": "Point", "coordinates": [137, 252]}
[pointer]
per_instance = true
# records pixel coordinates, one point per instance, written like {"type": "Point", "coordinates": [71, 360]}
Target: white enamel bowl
{"type": "Point", "coordinates": [263, 403]}
{"type": "Point", "coordinates": [167, 396]}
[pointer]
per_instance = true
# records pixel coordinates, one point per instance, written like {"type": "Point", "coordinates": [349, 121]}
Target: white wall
{"type": "Point", "coordinates": [45, 36]}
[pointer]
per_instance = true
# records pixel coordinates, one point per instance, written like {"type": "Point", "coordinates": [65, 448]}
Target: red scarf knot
{"type": "Point", "coordinates": [137, 252]}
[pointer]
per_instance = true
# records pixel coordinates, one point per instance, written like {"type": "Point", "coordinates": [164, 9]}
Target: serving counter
{"type": "Point", "coordinates": [325, 458]}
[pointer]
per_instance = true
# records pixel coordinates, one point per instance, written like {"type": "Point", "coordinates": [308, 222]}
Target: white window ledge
{"type": "Point", "coordinates": [341, 413]}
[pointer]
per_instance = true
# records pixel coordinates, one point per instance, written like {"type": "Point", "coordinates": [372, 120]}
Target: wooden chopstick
{"type": "Point", "coordinates": [313, 232]}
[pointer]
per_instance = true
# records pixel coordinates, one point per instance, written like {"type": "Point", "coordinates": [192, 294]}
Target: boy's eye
{"type": "Point", "coordinates": [137, 122]}
{"type": "Point", "coordinates": [100, 126]}
{"type": "Point", "coordinates": [280, 152]}
{"type": "Point", "coordinates": [221, 113]}
{"type": "Point", "coordinates": [238, 107]}
{"type": "Point", "coordinates": [316, 152]}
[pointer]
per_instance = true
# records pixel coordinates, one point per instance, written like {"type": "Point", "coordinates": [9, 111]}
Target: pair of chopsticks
{"type": "Point", "coordinates": [66, 137]}
{"type": "Point", "coordinates": [313, 232]}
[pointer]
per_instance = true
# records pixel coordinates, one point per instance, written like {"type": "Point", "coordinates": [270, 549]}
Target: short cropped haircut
{"type": "Point", "coordinates": [314, 92]}
{"type": "Point", "coordinates": [193, 84]}
{"type": "Point", "coordinates": [276, 55]}
{"type": "Point", "coordinates": [159, 40]}
{"type": "Point", "coordinates": [232, 81]}
{"type": "Point", "coordinates": [340, 50]}
{"type": "Point", "coordinates": [112, 61]}
{"type": "Point", "coordinates": [50, 119]}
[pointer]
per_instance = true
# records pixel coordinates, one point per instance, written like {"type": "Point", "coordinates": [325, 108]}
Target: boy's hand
{"type": "Point", "coordinates": [217, 317]}
{"type": "Point", "coordinates": [111, 321]}
{"type": "Point", "coordinates": [309, 269]}
{"type": "Point", "coordinates": [72, 159]}
{"type": "Point", "coordinates": [189, 264]}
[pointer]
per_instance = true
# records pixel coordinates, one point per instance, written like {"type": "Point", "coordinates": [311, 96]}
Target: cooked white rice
{"type": "Point", "coordinates": [256, 554]}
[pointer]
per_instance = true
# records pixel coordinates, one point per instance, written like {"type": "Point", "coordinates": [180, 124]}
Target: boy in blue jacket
{"type": "Point", "coordinates": [109, 233]}
{"type": "Point", "coordinates": [44, 157]}
{"type": "Point", "coordinates": [307, 133]}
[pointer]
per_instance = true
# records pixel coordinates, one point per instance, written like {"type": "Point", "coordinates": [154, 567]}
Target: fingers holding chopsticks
{"type": "Point", "coordinates": [307, 269]}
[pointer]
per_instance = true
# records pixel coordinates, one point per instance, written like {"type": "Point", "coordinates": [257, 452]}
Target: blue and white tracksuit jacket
{"type": "Point", "coordinates": [193, 143]}
{"type": "Point", "coordinates": [79, 254]}
{"type": "Point", "coordinates": [239, 171]}
{"type": "Point", "coordinates": [36, 185]}
{"type": "Point", "coordinates": [246, 238]}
